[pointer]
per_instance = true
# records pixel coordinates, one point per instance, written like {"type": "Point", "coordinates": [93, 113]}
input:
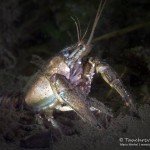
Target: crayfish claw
{"type": "Point", "coordinates": [72, 97]}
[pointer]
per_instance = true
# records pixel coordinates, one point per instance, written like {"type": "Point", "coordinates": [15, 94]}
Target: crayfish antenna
{"type": "Point", "coordinates": [77, 28]}
{"type": "Point", "coordinates": [98, 15]}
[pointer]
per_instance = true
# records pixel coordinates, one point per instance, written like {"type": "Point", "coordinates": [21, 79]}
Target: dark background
{"type": "Point", "coordinates": [43, 28]}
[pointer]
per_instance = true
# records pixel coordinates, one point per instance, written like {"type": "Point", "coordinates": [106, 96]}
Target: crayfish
{"type": "Point", "coordinates": [63, 83]}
